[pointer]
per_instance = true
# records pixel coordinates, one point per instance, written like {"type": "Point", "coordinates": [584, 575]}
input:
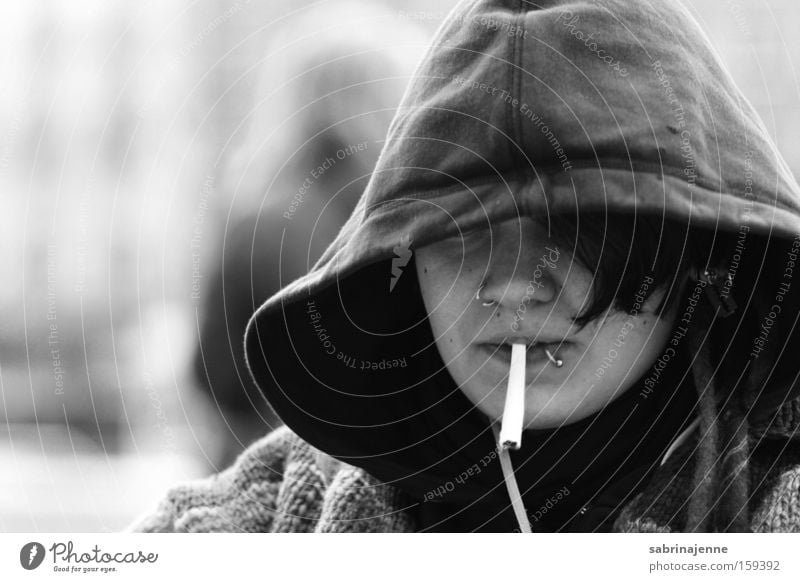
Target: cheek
{"type": "Point", "coordinates": [431, 284]}
{"type": "Point", "coordinates": [626, 347]}
{"type": "Point", "coordinates": [437, 286]}
{"type": "Point", "coordinates": [444, 283]}
{"type": "Point", "coordinates": [576, 286]}
{"type": "Point", "coordinates": [448, 295]}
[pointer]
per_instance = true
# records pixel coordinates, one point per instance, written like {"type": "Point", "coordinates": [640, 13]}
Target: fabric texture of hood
{"type": "Point", "coordinates": [522, 108]}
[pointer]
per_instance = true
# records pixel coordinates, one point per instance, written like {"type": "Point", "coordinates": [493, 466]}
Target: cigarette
{"type": "Point", "coordinates": [514, 411]}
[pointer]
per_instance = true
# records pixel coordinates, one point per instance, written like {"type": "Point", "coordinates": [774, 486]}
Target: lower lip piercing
{"type": "Point", "coordinates": [558, 362]}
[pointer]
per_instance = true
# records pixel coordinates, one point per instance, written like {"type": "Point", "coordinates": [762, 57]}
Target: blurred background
{"type": "Point", "coordinates": [151, 154]}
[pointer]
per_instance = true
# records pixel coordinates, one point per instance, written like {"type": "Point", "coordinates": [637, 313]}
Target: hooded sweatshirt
{"type": "Point", "coordinates": [528, 109]}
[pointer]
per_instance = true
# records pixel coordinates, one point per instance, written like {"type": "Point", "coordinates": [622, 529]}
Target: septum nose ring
{"type": "Point", "coordinates": [483, 301]}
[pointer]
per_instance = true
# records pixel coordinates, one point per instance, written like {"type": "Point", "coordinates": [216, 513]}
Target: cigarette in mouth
{"type": "Point", "coordinates": [514, 411]}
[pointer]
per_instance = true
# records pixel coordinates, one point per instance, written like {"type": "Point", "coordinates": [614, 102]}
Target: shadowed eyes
{"type": "Point", "coordinates": [474, 233]}
{"type": "Point", "coordinates": [469, 238]}
{"type": "Point", "coordinates": [469, 242]}
{"type": "Point", "coordinates": [480, 237]}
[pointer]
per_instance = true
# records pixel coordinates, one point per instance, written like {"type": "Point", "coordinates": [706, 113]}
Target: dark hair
{"type": "Point", "coordinates": [634, 255]}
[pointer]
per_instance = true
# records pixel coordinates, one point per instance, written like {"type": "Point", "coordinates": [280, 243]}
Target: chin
{"type": "Point", "coordinates": [540, 422]}
{"type": "Point", "coordinates": [544, 420]}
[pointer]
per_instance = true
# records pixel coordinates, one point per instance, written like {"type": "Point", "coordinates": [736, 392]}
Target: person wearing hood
{"type": "Point", "coordinates": [578, 219]}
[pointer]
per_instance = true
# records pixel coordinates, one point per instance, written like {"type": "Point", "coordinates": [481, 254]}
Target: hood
{"type": "Point", "coordinates": [522, 109]}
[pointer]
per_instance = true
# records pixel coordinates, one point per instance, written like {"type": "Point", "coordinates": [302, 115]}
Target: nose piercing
{"type": "Point", "coordinates": [557, 361]}
{"type": "Point", "coordinates": [479, 298]}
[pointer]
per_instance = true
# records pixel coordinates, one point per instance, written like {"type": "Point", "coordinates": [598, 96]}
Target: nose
{"type": "Point", "coordinates": [523, 269]}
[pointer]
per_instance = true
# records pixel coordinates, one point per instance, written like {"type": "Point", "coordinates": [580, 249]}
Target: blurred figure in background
{"type": "Point", "coordinates": [329, 85]}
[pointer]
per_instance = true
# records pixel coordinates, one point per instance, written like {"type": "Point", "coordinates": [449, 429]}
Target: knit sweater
{"type": "Point", "coordinates": [283, 484]}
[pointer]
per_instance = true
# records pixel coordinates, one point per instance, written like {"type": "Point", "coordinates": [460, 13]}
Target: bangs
{"type": "Point", "coordinates": [634, 256]}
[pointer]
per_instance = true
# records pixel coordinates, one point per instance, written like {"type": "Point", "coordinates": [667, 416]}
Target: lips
{"type": "Point", "coordinates": [535, 354]}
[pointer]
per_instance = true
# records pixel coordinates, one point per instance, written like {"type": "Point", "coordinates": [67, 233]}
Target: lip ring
{"type": "Point", "coordinates": [530, 341]}
{"type": "Point", "coordinates": [558, 362]}
{"type": "Point", "coordinates": [550, 353]}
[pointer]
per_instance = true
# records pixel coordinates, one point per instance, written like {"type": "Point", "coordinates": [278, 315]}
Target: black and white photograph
{"type": "Point", "coordinates": [371, 266]}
